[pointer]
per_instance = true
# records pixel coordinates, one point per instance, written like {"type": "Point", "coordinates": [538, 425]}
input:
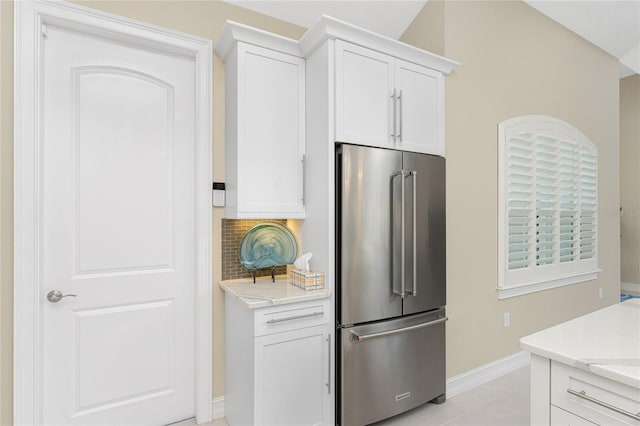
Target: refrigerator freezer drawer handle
{"type": "Point", "coordinates": [360, 337]}
{"type": "Point", "coordinates": [295, 317]}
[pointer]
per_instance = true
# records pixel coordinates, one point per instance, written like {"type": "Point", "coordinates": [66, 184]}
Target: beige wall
{"type": "Point", "coordinates": [6, 216]}
{"type": "Point", "coordinates": [630, 179]}
{"type": "Point", "coordinates": [201, 18]}
{"type": "Point", "coordinates": [515, 61]}
{"type": "Point", "coordinates": [427, 28]}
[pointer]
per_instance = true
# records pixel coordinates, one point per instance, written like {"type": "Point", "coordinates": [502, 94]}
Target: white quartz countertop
{"type": "Point", "coordinates": [267, 293]}
{"type": "Point", "coordinates": [605, 342]}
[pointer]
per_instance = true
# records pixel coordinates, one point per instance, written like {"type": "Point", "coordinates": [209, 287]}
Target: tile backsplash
{"type": "Point", "coordinates": [232, 232]}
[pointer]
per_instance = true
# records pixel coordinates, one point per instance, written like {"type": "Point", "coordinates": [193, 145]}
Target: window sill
{"type": "Point", "coordinates": [522, 289]}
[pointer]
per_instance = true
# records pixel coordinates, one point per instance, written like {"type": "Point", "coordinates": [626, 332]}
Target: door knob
{"type": "Point", "coordinates": [54, 296]}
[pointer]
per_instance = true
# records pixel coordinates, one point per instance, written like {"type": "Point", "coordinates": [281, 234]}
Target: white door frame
{"type": "Point", "coordinates": [28, 244]}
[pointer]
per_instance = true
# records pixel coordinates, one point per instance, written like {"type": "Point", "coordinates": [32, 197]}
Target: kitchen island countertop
{"type": "Point", "coordinates": [267, 293]}
{"type": "Point", "coordinates": [605, 342]}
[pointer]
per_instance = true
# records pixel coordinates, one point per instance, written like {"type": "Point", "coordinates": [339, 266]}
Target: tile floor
{"type": "Point", "coordinates": [502, 402]}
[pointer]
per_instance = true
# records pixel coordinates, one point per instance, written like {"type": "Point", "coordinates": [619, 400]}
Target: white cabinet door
{"type": "Point", "coordinates": [292, 378]}
{"type": "Point", "coordinates": [364, 89]}
{"type": "Point", "coordinates": [420, 108]}
{"type": "Point", "coordinates": [265, 134]}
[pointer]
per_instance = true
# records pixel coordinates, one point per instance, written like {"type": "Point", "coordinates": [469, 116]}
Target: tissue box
{"type": "Point", "coordinates": [310, 280]}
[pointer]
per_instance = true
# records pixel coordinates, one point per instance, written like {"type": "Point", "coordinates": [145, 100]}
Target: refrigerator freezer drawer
{"type": "Point", "coordinates": [391, 367]}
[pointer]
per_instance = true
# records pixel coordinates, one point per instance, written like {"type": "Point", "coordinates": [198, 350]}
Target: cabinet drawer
{"type": "Point", "coordinates": [564, 418]}
{"type": "Point", "coordinates": [598, 399]}
{"type": "Point", "coordinates": [291, 317]}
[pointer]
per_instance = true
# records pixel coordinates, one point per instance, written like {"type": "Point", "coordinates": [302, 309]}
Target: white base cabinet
{"type": "Point", "coordinates": [562, 395]}
{"type": "Point", "coordinates": [277, 364]}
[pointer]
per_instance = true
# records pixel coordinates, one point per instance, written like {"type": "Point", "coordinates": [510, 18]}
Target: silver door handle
{"type": "Point", "coordinates": [393, 99]}
{"type": "Point", "coordinates": [360, 337]}
{"type": "Point", "coordinates": [295, 317]}
{"type": "Point", "coordinates": [400, 114]}
{"type": "Point", "coordinates": [54, 296]}
{"type": "Point", "coordinates": [583, 395]}
{"type": "Point", "coordinates": [414, 175]}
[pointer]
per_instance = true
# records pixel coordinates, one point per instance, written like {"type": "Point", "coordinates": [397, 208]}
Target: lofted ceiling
{"type": "Point", "coordinates": [612, 25]}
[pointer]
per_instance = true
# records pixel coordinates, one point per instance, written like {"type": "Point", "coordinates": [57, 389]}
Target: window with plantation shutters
{"type": "Point", "coordinates": [548, 204]}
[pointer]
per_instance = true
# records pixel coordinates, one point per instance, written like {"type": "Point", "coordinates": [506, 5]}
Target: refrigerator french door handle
{"type": "Point", "coordinates": [360, 337]}
{"type": "Point", "coordinates": [403, 277]}
{"type": "Point", "coordinates": [414, 218]}
{"type": "Point", "coordinates": [403, 224]}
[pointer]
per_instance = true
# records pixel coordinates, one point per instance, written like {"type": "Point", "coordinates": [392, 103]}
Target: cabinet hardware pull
{"type": "Point", "coordinates": [329, 369]}
{"type": "Point", "coordinates": [583, 395]}
{"type": "Point", "coordinates": [360, 337]}
{"type": "Point", "coordinates": [295, 317]}
{"type": "Point", "coordinates": [304, 180]}
{"type": "Point", "coordinates": [393, 99]}
{"type": "Point", "coordinates": [400, 113]}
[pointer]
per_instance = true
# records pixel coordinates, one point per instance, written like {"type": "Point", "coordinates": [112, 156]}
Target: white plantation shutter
{"type": "Point", "coordinates": [548, 205]}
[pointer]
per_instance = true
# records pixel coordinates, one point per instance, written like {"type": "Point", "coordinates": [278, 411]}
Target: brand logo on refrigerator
{"type": "Point", "coordinates": [403, 396]}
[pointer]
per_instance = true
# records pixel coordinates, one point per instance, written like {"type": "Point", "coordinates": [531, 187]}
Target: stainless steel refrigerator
{"type": "Point", "coordinates": [391, 288]}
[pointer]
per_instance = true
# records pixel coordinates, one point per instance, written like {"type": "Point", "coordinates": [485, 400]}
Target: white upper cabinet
{"type": "Point", "coordinates": [265, 131]}
{"type": "Point", "coordinates": [387, 102]}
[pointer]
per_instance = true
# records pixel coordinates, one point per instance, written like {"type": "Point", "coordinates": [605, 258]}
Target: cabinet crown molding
{"type": "Point", "coordinates": [234, 32]}
{"type": "Point", "coordinates": [328, 27]}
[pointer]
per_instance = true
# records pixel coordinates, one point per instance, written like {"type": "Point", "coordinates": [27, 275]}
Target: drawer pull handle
{"type": "Point", "coordinates": [583, 395]}
{"type": "Point", "coordinates": [277, 320]}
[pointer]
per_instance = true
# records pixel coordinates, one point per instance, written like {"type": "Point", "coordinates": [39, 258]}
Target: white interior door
{"type": "Point", "coordinates": [118, 216]}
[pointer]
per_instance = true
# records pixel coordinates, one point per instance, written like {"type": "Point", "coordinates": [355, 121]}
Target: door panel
{"type": "Point", "coordinates": [144, 365]}
{"type": "Point", "coordinates": [118, 196]}
{"type": "Point", "coordinates": [387, 375]}
{"type": "Point", "coordinates": [364, 85]}
{"type": "Point", "coordinates": [110, 135]}
{"type": "Point", "coordinates": [367, 270]}
{"type": "Point", "coordinates": [430, 259]}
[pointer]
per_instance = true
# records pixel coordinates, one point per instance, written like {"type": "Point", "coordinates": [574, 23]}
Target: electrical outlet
{"type": "Point", "coordinates": [600, 293]}
{"type": "Point", "coordinates": [507, 319]}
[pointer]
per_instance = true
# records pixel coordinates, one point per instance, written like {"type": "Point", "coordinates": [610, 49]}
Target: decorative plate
{"type": "Point", "coordinates": [266, 245]}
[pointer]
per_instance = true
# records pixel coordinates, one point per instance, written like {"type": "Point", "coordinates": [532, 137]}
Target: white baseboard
{"type": "Point", "coordinates": [218, 407]}
{"type": "Point", "coordinates": [486, 373]}
{"type": "Point", "coordinates": [635, 288]}
{"type": "Point", "coordinates": [455, 385]}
